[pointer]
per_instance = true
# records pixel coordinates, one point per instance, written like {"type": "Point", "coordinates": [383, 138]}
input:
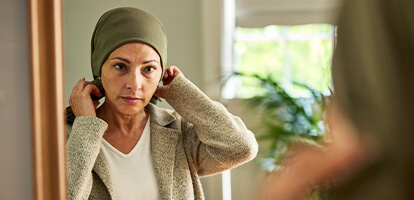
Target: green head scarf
{"type": "Point", "coordinates": [119, 26]}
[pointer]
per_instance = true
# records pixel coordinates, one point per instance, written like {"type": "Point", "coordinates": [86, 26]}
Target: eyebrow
{"type": "Point", "coordinates": [127, 61]}
{"type": "Point", "coordinates": [123, 59]}
{"type": "Point", "coordinates": [149, 61]}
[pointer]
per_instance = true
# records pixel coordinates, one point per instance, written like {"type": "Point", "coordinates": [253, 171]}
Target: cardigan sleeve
{"type": "Point", "coordinates": [82, 148]}
{"type": "Point", "coordinates": [215, 139]}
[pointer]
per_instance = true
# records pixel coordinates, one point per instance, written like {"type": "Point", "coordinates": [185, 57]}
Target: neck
{"type": "Point", "coordinates": [123, 123]}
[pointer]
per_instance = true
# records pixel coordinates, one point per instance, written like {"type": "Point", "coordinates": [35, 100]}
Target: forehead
{"type": "Point", "coordinates": [135, 50]}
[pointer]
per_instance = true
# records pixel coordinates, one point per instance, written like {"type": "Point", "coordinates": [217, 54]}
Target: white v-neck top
{"type": "Point", "coordinates": [132, 174]}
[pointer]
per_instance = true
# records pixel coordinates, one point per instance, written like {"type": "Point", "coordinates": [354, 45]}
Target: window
{"type": "Point", "coordinates": [299, 53]}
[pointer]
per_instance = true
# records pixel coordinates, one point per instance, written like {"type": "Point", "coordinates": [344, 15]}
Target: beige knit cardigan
{"type": "Point", "coordinates": [199, 138]}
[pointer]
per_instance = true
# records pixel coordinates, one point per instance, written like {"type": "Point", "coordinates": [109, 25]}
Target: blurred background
{"type": "Point", "coordinates": [280, 49]}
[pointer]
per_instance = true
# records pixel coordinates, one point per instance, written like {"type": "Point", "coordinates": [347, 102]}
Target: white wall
{"type": "Point", "coordinates": [15, 134]}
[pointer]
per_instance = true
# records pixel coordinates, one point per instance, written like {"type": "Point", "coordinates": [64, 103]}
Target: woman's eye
{"type": "Point", "coordinates": [120, 67]}
{"type": "Point", "coordinates": [149, 68]}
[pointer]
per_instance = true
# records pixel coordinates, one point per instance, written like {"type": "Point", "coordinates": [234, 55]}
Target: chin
{"type": "Point", "coordinates": [131, 110]}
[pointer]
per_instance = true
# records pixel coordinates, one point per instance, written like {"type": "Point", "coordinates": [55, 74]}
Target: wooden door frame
{"type": "Point", "coordinates": [47, 99]}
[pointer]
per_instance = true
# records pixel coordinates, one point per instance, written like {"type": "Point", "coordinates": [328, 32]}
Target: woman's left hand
{"type": "Point", "coordinates": [170, 74]}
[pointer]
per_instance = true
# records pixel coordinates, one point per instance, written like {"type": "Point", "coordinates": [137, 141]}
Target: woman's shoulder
{"type": "Point", "coordinates": [162, 116]}
{"type": "Point", "coordinates": [160, 111]}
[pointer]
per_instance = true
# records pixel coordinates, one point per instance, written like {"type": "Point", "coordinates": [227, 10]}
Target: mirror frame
{"type": "Point", "coordinates": [47, 99]}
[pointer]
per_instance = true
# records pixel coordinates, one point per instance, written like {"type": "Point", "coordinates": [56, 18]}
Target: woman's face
{"type": "Point", "coordinates": [130, 76]}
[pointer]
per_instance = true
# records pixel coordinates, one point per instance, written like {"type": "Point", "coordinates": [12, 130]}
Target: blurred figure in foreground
{"type": "Point", "coordinates": [371, 155]}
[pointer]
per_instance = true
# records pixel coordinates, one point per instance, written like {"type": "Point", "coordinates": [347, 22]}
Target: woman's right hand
{"type": "Point", "coordinates": [80, 100]}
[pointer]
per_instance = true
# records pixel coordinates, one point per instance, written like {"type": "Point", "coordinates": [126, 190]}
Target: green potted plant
{"type": "Point", "coordinates": [288, 121]}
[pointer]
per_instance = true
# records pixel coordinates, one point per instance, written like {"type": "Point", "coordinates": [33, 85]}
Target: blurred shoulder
{"type": "Point", "coordinates": [162, 116]}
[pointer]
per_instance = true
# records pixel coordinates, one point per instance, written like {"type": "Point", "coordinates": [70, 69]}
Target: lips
{"type": "Point", "coordinates": [131, 100]}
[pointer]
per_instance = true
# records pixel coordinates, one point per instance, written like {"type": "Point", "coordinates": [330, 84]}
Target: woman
{"type": "Point", "coordinates": [371, 153]}
{"type": "Point", "coordinates": [129, 148]}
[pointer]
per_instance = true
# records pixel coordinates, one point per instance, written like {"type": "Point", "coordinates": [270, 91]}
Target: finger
{"type": "Point", "coordinates": [76, 90]}
{"type": "Point", "coordinates": [169, 71]}
{"type": "Point", "coordinates": [95, 91]}
{"type": "Point", "coordinates": [175, 71]}
{"type": "Point", "coordinates": [92, 89]}
{"type": "Point", "coordinates": [165, 74]}
{"type": "Point", "coordinates": [172, 69]}
{"type": "Point", "coordinates": [82, 83]}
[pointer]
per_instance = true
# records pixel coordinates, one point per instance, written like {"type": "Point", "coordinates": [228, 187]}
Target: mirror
{"type": "Point", "coordinates": [189, 26]}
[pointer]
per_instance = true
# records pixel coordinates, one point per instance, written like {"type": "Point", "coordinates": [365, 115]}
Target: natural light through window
{"type": "Point", "coordinates": [300, 53]}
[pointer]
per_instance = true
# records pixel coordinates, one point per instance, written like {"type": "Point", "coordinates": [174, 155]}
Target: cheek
{"type": "Point", "coordinates": [152, 85]}
{"type": "Point", "coordinates": [152, 82]}
{"type": "Point", "coordinates": [111, 85]}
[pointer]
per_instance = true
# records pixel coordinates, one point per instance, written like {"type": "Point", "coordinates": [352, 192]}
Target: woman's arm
{"type": "Point", "coordinates": [84, 140]}
{"type": "Point", "coordinates": [215, 139]}
{"type": "Point", "coordinates": [82, 148]}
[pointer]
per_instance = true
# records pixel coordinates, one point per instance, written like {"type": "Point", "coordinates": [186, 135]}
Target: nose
{"type": "Point", "coordinates": [135, 80]}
